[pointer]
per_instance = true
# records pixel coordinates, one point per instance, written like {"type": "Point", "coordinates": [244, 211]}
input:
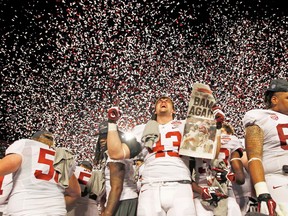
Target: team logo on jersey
{"type": "Point", "coordinates": [225, 139]}
{"type": "Point", "coordinates": [278, 186]}
{"type": "Point", "coordinates": [274, 117]}
{"type": "Point", "coordinates": [176, 123]}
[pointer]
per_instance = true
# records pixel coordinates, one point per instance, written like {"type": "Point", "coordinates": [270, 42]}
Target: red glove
{"type": "Point", "coordinates": [212, 195]}
{"type": "Point", "coordinates": [222, 175]}
{"type": "Point", "coordinates": [114, 113]}
{"type": "Point", "coordinates": [266, 204]}
{"type": "Point", "coordinates": [218, 115]}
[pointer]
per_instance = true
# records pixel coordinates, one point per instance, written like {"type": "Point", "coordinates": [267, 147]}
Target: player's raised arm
{"type": "Point", "coordinates": [119, 148]}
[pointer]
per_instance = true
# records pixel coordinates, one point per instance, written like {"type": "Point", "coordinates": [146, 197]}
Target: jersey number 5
{"type": "Point", "coordinates": [283, 137]}
{"type": "Point", "coordinates": [82, 176]}
{"type": "Point", "coordinates": [42, 159]}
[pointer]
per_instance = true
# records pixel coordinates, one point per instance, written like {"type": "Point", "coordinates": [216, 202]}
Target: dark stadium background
{"type": "Point", "coordinates": [64, 63]}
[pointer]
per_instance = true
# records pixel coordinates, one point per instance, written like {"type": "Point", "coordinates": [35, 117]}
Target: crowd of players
{"type": "Point", "coordinates": [37, 165]}
{"type": "Point", "coordinates": [127, 56]}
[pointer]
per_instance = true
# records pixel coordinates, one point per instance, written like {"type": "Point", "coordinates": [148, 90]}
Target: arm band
{"type": "Point", "coordinates": [233, 159]}
{"type": "Point", "coordinates": [218, 132]}
{"type": "Point", "coordinates": [254, 159]}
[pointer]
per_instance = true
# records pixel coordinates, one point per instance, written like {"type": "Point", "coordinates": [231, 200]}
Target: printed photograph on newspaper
{"type": "Point", "coordinates": [200, 128]}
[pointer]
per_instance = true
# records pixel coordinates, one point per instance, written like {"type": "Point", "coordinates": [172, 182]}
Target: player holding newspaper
{"type": "Point", "coordinates": [162, 190]}
{"type": "Point", "coordinates": [212, 176]}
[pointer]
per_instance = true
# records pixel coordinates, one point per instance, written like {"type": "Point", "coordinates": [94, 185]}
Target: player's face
{"type": "Point", "coordinates": [164, 105]}
{"type": "Point", "coordinates": [280, 100]}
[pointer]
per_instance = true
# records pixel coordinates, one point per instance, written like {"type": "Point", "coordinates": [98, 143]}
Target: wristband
{"type": "Point", "coordinates": [112, 127]}
{"type": "Point", "coordinates": [261, 188]}
{"type": "Point", "coordinates": [254, 159]}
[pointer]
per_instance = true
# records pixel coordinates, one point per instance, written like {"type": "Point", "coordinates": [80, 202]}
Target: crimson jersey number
{"type": "Point", "coordinates": [160, 149]}
{"type": "Point", "coordinates": [1, 183]}
{"type": "Point", "coordinates": [43, 160]}
{"type": "Point", "coordinates": [226, 153]}
{"type": "Point", "coordinates": [82, 176]}
{"type": "Point", "coordinates": [283, 137]}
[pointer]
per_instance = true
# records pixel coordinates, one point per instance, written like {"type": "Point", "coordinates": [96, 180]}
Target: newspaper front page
{"type": "Point", "coordinates": [200, 129]}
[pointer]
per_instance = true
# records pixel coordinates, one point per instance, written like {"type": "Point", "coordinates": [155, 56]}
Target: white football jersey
{"type": "Point", "coordinates": [275, 146]}
{"type": "Point", "coordinates": [129, 185]}
{"type": "Point", "coordinates": [84, 206]}
{"type": "Point", "coordinates": [35, 184]}
{"type": "Point", "coordinates": [83, 175]}
{"type": "Point", "coordinates": [229, 144]}
{"type": "Point", "coordinates": [163, 162]}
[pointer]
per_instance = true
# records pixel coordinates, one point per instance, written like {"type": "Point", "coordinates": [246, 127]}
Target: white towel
{"type": "Point", "coordinates": [150, 134]}
{"type": "Point", "coordinates": [65, 165]}
{"type": "Point", "coordinates": [96, 183]}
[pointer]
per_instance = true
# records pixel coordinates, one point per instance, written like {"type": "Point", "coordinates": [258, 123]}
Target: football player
{"type": "Point", "coordinates": [266, 142]}
{"type": "Point", "coordinates": [121, 188]}
{"type": "Point", "coordinates": [166, 178]}
{"type": "Point", "coordinates": [35, 182]}
{"type": "Point", "coordinates": [228, 169]}
{"type": "Point", "coordinates": [87, 204]}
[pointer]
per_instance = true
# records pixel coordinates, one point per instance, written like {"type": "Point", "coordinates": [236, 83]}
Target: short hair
{"type": "Point", "coordinates": [276, 85]}
{"type": "Point", "coordinates": [267, 99]}
{"type": "Point", "coordinates": [86, 164]}
{"type": "Point", "coordinates": [43, 133]}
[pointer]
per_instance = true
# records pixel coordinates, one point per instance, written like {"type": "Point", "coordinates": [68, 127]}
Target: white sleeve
{"type": "Point", "coordinates": [249, 118]}
{"type": "Point", "coordinates": [16, 147]}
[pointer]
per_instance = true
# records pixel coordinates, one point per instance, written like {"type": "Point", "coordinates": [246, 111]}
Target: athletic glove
{"type": "Point", "coordinates": [222, 175]}
{"type": "Point", "coordinates": [267, 205]}
{"type": "Point", "coordinates": [212, 195]}
{"type": "Point", "coordinates": [114, 113]}
{"type": "Point", "coordinates": [219, 116]}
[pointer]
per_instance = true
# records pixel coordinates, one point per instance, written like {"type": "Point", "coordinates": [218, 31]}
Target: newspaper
{"type": "Point", "coordinates": [199, 138]}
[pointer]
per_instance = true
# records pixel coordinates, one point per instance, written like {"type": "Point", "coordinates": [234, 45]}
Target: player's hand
{"type": "Point", "coordinates": [267, 205]}
{"type": "Point", "coordinates": [114, 113]}
{"type": "Point", "coordinates": [219, 116]}
{"type": "Point", "coordinates": [222, 175]}
{"type": "Point", "coordinates": [212, 195]}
